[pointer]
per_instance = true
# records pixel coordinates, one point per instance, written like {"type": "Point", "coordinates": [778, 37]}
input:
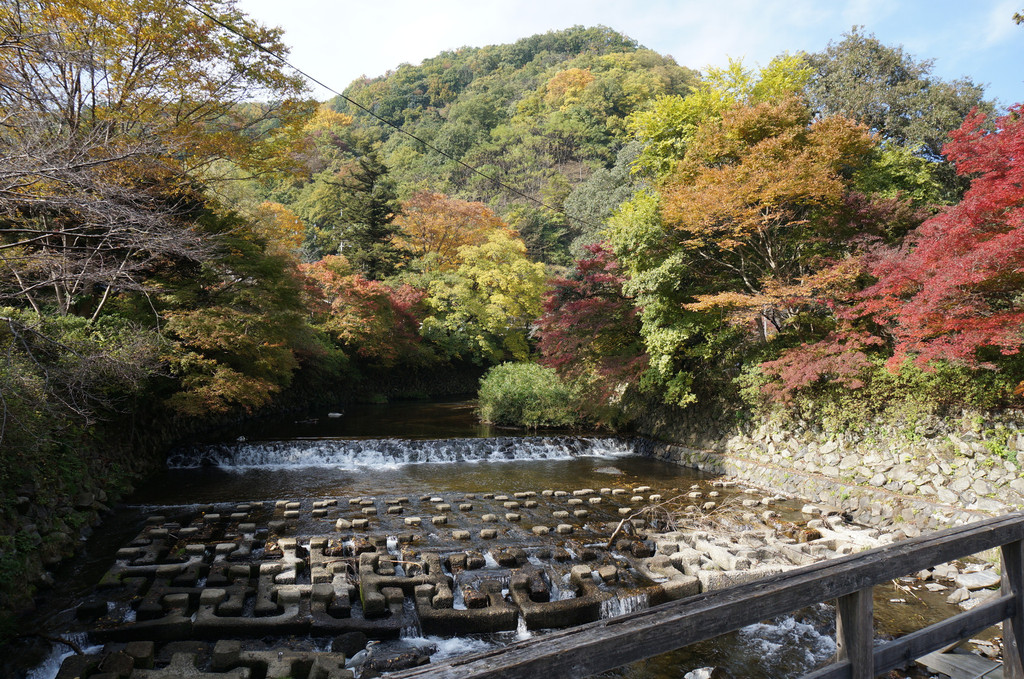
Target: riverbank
{"type": "Point", "coordinates": [914, 477]}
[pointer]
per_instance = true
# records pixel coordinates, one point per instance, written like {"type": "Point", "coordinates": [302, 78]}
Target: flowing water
{"type": "Point", "coordinates": [427, 450]}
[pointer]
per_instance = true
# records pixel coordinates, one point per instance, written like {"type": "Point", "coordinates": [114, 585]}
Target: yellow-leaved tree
{"type": "Point", "coordinates": [482, 310]}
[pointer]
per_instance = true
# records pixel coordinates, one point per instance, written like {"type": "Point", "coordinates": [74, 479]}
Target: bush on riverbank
{"type": "Point", "coordinates": [525, 395]}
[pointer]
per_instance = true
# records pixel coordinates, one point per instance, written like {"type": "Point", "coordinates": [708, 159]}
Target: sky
{"type": "Point", "coordinates": [337, 41]}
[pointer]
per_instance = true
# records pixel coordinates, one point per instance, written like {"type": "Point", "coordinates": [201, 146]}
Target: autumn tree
{"type": "Point", "coordinates": [373, 322]}
{"type": "Point", "coordinates": [108, 114]}
{"type": "Point", "coordinates": [435, 227]}
{"type": "Point", "coordinates": [666, 127]}
{"type": "Point", "coordinates": [590, 331]}
{"type": "Point", "coordinates": [953, 290]}
{"type": "Point", "coordinates": [482, 310]}
{"type": "Point", "coordinates": [235, 322]}
{"type": "Point", "coordinates": [749, 206]}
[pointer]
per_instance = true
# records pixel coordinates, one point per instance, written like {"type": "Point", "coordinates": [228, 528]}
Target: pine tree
{"type": "Point", "coordinates": [368, 213]}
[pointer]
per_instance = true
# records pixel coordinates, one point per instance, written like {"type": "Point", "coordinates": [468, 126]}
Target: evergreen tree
{"type": "Point", "coordinates": [367, 215]}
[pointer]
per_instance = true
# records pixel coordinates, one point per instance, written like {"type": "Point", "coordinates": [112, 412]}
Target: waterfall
{"type": "Point", "coordinates": [622, 605]}
{"type": "Point", "coordinates": [383, 453]}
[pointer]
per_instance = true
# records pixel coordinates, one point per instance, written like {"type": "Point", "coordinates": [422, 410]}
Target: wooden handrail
{"type": "Point", "coordinates": [606, 644]}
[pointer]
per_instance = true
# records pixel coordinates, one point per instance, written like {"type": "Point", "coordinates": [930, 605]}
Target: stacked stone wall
{"type": "Point", "coordinates": [930, 474]}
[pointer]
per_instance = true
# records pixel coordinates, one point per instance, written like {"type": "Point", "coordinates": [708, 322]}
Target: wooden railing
{"type": "Point", "coordinates": [606, 644]}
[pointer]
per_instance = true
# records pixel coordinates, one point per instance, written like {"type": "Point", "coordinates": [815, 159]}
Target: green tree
{"type": "Point", "coordinates": [482, 310]}
{"type": "Point", "coordinates": [667, 126]}
{"type": "Point", "coordinates": [367, 211]}
{"type": "Point", "coordinates": [895, 95]}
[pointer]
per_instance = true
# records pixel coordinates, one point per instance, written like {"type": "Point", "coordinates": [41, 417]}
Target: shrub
{"type": "Point", "coordinates": [525, 395]}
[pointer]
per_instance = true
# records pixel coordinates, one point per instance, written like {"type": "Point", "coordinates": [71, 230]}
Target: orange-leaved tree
{"type": "Point", "coordinates": [752, 209]}
{"type": "Point", "coordinates": [435, 226]}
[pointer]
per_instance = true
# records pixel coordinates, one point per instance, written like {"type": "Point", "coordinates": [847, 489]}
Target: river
{"type": "Point", "coordinates": [313, 476]}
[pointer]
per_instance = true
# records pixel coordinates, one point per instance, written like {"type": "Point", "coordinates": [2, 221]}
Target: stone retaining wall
{"type": "Point", "coordinates": [930, 474]}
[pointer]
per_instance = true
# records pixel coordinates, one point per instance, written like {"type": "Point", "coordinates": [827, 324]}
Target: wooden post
{"type": "Point", "coordinates": [855, 633]}
{"type": "Point", "coordinates": [1013, 628]}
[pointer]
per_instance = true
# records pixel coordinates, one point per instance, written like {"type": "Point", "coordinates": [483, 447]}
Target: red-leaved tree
{"type": "Point", "coordinates": [590, 331]}
{"type": "Point", "coordinates": [377, 323]}
{"type": "Point", "coordinates": [955, 289]}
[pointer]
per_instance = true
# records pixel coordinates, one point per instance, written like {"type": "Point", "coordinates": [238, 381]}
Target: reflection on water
{"type": "Point", "coordinates": [213, 484]}
{"type": "Point", "coordinates": [413, 420]}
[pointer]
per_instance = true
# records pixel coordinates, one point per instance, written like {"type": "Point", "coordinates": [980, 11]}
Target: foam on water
{"type": "Point", "coordinates": [448, 648]}
{"type": "Point", "coordinates": [785, 644]}
{"type": "Point", "coordinates": [393, 453]}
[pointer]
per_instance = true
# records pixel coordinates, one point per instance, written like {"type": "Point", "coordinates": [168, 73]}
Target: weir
{"type": "Point", "coordinates": [326, 558]}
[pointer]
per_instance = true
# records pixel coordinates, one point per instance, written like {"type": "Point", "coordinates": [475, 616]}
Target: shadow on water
{"type": "Point", "coordinates": [409, 420]}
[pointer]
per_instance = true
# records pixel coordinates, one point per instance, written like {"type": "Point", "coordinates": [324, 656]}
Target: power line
{"type": "Point", "coordinates": [257, 45]}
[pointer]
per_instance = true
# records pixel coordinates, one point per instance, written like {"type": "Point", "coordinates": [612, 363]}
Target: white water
{"type": "Point", "coordinates": [448, 648]}
{"type": "Point", "coordinates": [58, 653]}
{"type": "Point", "coordinates": [627, 604]}
{"type": "Point", "coordinates": [392, 453]}
{"type": "Point", "coordinates": [785, 642]}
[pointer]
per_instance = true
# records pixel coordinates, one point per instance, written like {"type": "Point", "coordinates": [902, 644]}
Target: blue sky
{"type": "Point", "coordinates": [339, 41]}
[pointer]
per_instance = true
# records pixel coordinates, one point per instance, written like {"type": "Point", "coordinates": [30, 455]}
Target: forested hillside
{"type": "Point", "coordinates": [186, 235]}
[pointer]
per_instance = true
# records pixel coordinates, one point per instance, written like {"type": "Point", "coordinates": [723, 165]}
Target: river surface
{"type": "Point", "coordinates": [440, 449]}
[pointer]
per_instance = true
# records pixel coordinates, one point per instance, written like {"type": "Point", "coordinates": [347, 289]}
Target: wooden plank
{"type": "Point", "coordinates": [962, 666]}
{"type": "Point", "coordinates": [903, 651]}
{"type": "Point", "coordinates": [1013, 629]}
{"type": "Point", "coordinates": [855, 633]}
{"type": "Point", "coordinates": [606, 644]}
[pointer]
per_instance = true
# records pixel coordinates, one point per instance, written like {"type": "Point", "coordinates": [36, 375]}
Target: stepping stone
{"type": "Point", "coordinates": [360, 524]}
{"type": "Point", "coordinates": [413, 521]}
{"type": "Point", "coordinates": [563, 529]}
{"type": "Point", "coordinates": [581, 513]}
{"type": "Point", "coordinates": [466, 507]}
{"type": "Point", "coordinates": [595, 500]}
{"type": "Point", "coordinates": [488, 533]}
{"type": "Point", "coordinates": [513, 517]}
{"type": "Point", "coordinates": [489, 518]}
{"type": "Point", "coordinates": [461, 535]}
{"type": "Point", "coordinates": [541, 530]}
{"type": "Point", "coordinates": [561, 514]}
{"type": "Point", "coordinates": [439, 520]}
{"type": "Point", "coordinates": [342, 524]}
